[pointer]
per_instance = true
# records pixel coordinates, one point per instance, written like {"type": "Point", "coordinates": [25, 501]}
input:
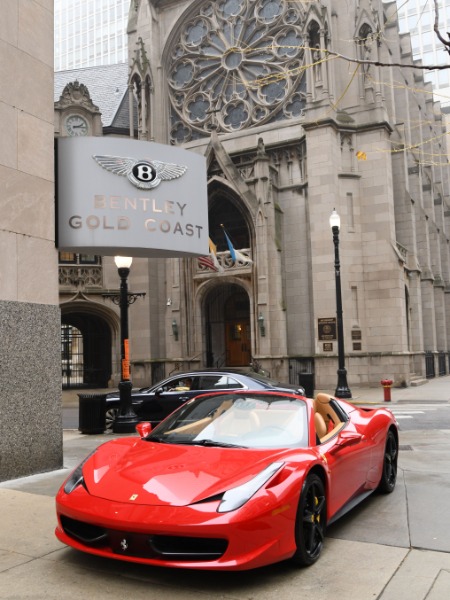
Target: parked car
{"type": "Point", "coordinates": [231, 480]}
{"type": "Point", "coordinates": [158, 401]}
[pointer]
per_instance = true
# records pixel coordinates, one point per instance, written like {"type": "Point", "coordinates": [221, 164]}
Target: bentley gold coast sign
{"type": "Point", "coordinates": [129, 197]}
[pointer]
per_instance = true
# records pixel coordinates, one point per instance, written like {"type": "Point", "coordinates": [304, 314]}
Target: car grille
{"type": "Point", "coordinates": [141, 545]}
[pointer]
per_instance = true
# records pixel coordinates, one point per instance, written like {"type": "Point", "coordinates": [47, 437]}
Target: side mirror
{"type": "Point", "coordinates": [344, 439]}
{"type": "Point", "coordinates": [144, 428]}
{"type": "Point", "coordinates": [159, 391]}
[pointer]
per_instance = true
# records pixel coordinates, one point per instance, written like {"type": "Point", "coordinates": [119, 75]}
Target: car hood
{"type": "Point", "coordinates": [141, 472]}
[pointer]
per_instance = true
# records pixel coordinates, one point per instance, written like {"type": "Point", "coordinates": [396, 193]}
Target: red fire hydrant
{"type": "Point", "coordinates": [387, 385]}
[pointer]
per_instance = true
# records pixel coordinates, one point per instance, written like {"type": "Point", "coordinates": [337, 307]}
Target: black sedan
{"type": "Point", "coordinates": [158, 401]}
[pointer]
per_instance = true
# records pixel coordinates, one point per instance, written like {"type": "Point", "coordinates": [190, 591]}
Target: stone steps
{"type": "Point", "coordinates": [417, 380]}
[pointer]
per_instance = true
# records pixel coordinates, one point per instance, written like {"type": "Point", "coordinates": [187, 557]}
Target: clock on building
{"type": "Point", "coordinates": [76, 125]}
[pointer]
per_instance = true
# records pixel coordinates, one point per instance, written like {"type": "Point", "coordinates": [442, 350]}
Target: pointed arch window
{"type": "Point", "coordinates": [224, 213]}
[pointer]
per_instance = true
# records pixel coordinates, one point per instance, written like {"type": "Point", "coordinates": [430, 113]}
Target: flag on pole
{"type": "Point", "coordinates": [211, 261]}
{"type": "Point", "coordinates": [213, 254]}
{"type": "Point", "coordinates": [207, 261]}
{"type": "Point", "coordinates": [242, 258]}
{"type": "Point", "coordinates": [230, 245]}
{"type": "Point", "coordinates": [236, 256]}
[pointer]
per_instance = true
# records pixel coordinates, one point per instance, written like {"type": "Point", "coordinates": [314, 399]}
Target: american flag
{"type": "Point", "coordinates": [210, 261]}
{"type": "Point", "coordinates": [207, 261]}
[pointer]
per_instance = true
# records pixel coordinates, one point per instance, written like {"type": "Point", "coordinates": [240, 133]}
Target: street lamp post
{"type": "Point", "coordinates": [126, 420]}
{"type": "Point", "coordinates": [342, 389]}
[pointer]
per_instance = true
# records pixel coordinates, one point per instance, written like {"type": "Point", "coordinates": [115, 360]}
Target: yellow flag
{"type": "Point", "coordinates": [212, 247]}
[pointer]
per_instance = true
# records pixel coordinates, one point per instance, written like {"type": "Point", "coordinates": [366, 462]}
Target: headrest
{"type": "Point", "coordinates": [324, 398]}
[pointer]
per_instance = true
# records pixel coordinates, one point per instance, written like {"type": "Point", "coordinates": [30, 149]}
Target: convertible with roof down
{"type": "Point", "coordinates": [231, 480]}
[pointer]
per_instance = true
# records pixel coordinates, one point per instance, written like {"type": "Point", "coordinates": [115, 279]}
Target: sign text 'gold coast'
{"type": "Point", "coordinates": [167, 216]}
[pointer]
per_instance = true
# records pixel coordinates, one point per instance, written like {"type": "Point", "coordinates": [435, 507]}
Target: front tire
{"type": "Point", "coordinates": [311, 522]}
{"type": "Point", "coordinates": [389, 474]}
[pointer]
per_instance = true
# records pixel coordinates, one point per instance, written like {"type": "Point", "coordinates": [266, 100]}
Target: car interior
{"type": "Point", "coordinates": [327, 420]}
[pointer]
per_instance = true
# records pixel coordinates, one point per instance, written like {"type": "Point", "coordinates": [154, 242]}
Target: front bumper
{"type": "Point", "coordinates": [193, 537]}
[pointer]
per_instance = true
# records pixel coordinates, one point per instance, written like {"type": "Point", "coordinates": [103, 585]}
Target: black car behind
{"type": "Point", "coordinates": [158, 401]}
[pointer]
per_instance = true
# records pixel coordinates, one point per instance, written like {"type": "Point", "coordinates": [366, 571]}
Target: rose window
{"type": "Point", "coordinates": [237, 64]}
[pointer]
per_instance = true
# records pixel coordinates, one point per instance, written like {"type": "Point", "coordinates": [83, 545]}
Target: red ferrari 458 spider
{"type": "Point", "coordinates": [229, 481]}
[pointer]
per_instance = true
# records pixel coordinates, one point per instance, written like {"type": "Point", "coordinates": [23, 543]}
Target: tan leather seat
{"type": "Point", "coordinates": [322, 406]}
{"type": "Point", "coordinates": [320, 425]}
{"type": "Point", "coordinates": [238, 422]}
{"type": "Point", "coordinates": [323, 411]}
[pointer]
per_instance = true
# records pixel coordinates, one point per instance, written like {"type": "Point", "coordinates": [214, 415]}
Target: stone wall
{"type": "Point", "coordinates": [30, 389]}
{"type": "Point", "coordinates": [30, 372]}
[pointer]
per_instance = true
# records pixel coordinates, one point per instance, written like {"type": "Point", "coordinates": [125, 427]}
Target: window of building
{"type": "Point", "coordinates": [72, 258]}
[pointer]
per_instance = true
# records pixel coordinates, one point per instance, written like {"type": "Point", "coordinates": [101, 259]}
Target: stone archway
{"type": "Point", "coordinates": [86, 351]}
{"type": "Point", "coordinates": [86, 347]}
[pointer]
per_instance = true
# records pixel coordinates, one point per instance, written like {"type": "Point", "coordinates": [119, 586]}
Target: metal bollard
{"type": "Point", "coordinates": [387, 385]}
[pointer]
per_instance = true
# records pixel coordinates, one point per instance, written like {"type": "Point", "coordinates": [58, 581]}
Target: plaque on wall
{"type": "Point", "coordinates": [356, 334]}
{"type": "Point", "coordinates": [357, 346]}
{"type": "Point", "coordinates": [328, 347]}
{"type": "Point", "coordinates": [327, 329]}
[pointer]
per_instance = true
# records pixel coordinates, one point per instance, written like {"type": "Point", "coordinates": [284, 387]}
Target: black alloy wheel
{"type": "Point", "coordinates": [311, 522]}
{"type": "Point", "coordinates": [110, 417]}
{"type": "Point", "coordinates": [389, 474]}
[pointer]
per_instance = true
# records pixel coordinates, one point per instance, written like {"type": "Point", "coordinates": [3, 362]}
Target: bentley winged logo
{"type": "Point", "coordinates": [143, 174]}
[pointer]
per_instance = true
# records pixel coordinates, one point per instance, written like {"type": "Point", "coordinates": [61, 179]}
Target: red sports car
{"type": "Point", "coordinates": [229, 481]}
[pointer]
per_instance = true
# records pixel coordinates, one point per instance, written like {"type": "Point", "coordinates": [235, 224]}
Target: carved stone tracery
{"type": "Point", "coordinates": [85, 276]}
{"type": "Point", "coordinates": [236, 65]}
{"type": "Point", "coordinates": [76, 94]}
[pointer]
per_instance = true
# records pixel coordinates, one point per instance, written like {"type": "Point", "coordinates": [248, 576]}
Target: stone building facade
{"type": "Point", "coordinates": [295, 119]}
{"type": "Point", "coordinates": [30, 374]}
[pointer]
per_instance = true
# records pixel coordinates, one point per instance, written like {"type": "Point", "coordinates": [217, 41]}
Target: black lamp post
{"type": "Point", "coordinates": [126, 420]}
{"type": "Point", "coordinates": [342, 389]}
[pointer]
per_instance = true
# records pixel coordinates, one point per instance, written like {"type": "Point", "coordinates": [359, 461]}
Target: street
{"type": "Point", "coordinates": [422, 415]}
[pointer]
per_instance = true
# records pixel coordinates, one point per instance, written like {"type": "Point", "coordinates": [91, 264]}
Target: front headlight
{"type": "Point", "coordinates": [76, 478]}
{"type": "Point", "coordinates": [238, 496]}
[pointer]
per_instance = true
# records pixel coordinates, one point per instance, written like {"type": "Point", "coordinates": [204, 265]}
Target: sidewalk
{"type": "Point", "coordinates": [434, 390]}
{"type": "Point", "coordinates": [377, 552]}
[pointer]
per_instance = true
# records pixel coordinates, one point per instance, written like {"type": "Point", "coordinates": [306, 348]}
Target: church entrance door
{"type": "Point", "coordinates": [238, 343]}
{"type": "Point", "coordinates": [237, 330]}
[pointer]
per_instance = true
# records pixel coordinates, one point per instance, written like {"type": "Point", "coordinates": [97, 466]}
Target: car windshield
{"type": "Point", "coordinates": [243, 420]}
